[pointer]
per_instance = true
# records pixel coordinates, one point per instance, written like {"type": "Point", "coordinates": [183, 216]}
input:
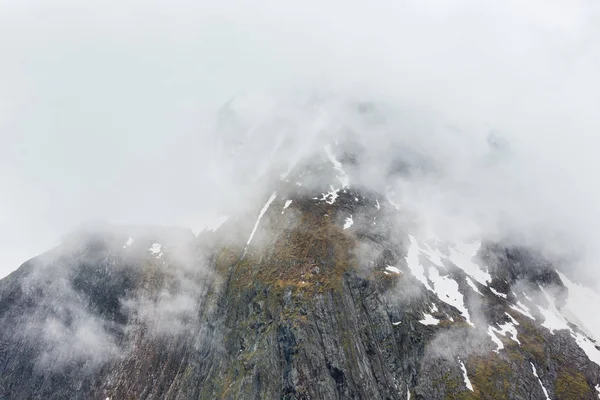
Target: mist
{"type": "Point", "coordinates": [168, 113]}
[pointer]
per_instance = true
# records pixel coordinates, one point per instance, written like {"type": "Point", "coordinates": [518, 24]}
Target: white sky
{"type": "Point", "coordinates": [104, 105]}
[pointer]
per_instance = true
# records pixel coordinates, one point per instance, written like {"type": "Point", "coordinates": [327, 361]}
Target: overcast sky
{"type": "Point", "coordinates": [105, 107]}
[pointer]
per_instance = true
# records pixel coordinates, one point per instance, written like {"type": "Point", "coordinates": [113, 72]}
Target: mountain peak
{"type": "Point", "coordinates": [327, 290]}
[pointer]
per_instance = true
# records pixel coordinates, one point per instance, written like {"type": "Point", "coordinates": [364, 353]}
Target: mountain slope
{"type": "Point", "coordinates": [324, 292]}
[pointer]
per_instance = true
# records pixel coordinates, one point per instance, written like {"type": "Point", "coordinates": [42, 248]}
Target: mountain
{"type": "Point", "coordinates": [327, 290]}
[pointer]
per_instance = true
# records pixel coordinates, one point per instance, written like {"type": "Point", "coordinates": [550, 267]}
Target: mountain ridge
{"type": "Point", "coordinates": [326, 292]}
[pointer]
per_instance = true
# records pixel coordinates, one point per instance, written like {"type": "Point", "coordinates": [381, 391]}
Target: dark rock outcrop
{"type": "Point", "coordinates": [307, 310]}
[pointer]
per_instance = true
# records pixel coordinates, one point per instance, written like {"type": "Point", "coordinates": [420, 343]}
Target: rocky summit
{"type": "Point", "coordinates": [320, 292]}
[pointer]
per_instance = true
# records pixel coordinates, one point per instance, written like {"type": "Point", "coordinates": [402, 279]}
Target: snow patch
{"type": "Point", "coordinates": [349, 222]}
{"type": "Point", "coordinates": [465, 376]}
{"type": "Point", "coordinates": [514, 321]}
{"type": "Point", "coordinates": [428, 319]}
{"type": "Point", "coordinates": [587, 346]}
{"type": "Point", "coordinates": [434, 255]}
{"type": "Point", "coordinates": [393, 269]}
{"type": "Point", "coordinates": [412, 260]}
{"type": "Point", "coordinates": [287, 204]}
{"type": "Point", "coordinates": [128, 243]}
{"type": "Point", "coordinates": [447, 290]}
{"type": "Point", "coordinates": [473, 286]}
{"type": "Point", "coordinates": [331, 196]}
{"type": "Point", "coordinates": [576, 309]}
{"type": "Point", "coordinates": [462, 256]}
{"type": "Point", "coordinates": [262, 213]}
{"type": "Point", "coordinates": [522, 308]}
{"type": "Point", "coordinates": [554, 320]}
{"type": "Point", "coordinates": [444, 287]}
{"type": "Point", "coordinates": [507, 327]}
{"type": "Point", "coordinates": [539, 380]}
{"type": "Point", "coordinates": [155, 248]}
{"type": "Point", "coordinates": [342, 177]}
{"type": "Point", "coordinates": [497, 293]}
{"type": "Point", "coordinates": [396, 323]}
{"type": "Point", "coordinates": [495, 339]}
{"type": "Point", "coordinates": [377, 205]}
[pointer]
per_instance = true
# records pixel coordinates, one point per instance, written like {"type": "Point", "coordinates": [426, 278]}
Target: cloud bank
{"type": "Point", "coordinates": [115, 110]}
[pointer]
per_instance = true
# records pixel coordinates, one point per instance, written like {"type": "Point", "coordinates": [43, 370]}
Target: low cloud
{"type": "Point", "coordinates": [478, 119]}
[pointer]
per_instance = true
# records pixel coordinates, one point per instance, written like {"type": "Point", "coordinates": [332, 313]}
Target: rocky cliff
{"type": "Point", "coordinates": [322, 292]}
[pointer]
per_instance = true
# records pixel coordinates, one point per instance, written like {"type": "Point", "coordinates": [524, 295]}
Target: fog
{"type": "Point", "coordinates": [111, 110]}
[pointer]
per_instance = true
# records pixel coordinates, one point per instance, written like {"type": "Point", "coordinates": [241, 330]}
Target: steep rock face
{"type": "Point", "coordinates": [326, 295]}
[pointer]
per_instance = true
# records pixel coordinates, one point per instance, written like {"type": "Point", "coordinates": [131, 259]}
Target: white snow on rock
{"type": "Point", "coordinates": [393, 269]}
{"type": "Point", "coordinates": [331, 196]}
{"type": "Point", "coordinates": [396, 323]}
{"type": "Point", "coordinates": [434, 255]}
{"type": "Point", "coordinates": [342, 177]}
{"type": "Point", "coordinates": [465, 376]}
{"type": "Point", "coordinates": [128, 243]}
{"type": "Point", "coordinates": [554, 320]}
{"type": "Point", "coordinates": [539, 380]}
{"type": "Point", "coordinates": [447, 290]}
{"type": "Point", "coordinates": [287, 204]}
{"type": "Point", "coordinates": [412, 260]}
{"type": "Point", "coordinates": [377, 205]}
{"type": "Point", "coordinates": [497, 293]}
{"type": "Point", "coordinates": [407, 392]}
{"type": "Point", "coordinates": [349, 222]}
{"type": "Point", "coordinates": [473, 286]}
{"type": "Point", "coordinates": [462, 256]}
{"type": "Point", "coordinates": [587, 346]}
{"type": "Point", "coordinates": [507, 327]}
{"type": "Point", "coordinates": [495, 339]}
{"type": "Point", "coordinates": [260, 215]}
{"type": "Point", "coordinates": [514, 321]}
{"type": "Point", "coordinates": [522, 308]}
{"type": "Point", "coordinates": [444, 287]}
{"type": "Point", "coordinates": [598, 390]}
{"type": "Point", "coordinates": [155, 248]}
{"type": "Point", "coordinates": [428, 319]}
{"type": "Point", "coordinates": [577, 307]}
